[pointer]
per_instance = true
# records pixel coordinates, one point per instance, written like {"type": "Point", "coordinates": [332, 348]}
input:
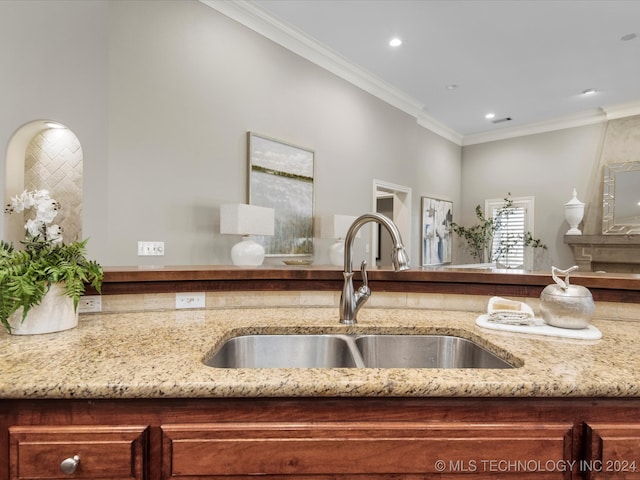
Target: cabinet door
{"type": "Point", "coordinates": [102, 452]}
{"type": "Point", "coordinates": [374, 450]}
{"type": "Point", "coordinates": [613, 451]}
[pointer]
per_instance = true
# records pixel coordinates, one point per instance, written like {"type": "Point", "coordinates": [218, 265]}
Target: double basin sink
{"type": "Point", "coordinates": [353, 351]}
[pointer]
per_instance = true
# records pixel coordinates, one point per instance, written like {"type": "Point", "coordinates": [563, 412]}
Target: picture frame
{"type": "Point", "coordinates": [619, 203]}
{"type": "Point", "coordinates": [281, 176]}
{"type": "Point", "coordinates": [437, 217]}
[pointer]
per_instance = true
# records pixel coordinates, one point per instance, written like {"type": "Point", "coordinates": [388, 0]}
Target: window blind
{"type": "Point", "coordinates": [508, 244]}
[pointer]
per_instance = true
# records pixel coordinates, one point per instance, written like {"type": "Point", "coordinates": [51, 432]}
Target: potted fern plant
{"type": "Point", "coordinates": [41, 283]}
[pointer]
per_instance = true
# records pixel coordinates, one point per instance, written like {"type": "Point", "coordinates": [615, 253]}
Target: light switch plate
{"type": "Point", "coordinates": [150, 248]}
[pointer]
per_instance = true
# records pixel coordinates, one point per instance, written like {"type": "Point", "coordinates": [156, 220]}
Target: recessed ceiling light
{"type": "Point", "coordinates": [395, 42]}
{"type": "Point", "coordinates": [589, 91]}
{"type": "Point", "coordinates": [452, 86]}
{"type": "Point", "coordinates": [489, 116]}
{"type": "Point", "coordinates": [628, 36]}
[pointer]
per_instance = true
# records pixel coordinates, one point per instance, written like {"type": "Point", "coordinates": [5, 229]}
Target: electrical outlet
{"type": "Point", "coordinates": [150, 248]}
{"type": "Point", "coordinates": [90, 304]}
{"type": "Point", "coordinates": [190, 300]}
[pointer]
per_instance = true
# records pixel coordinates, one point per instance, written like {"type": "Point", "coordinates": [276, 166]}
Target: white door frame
{"type": "Point", "coordinates": [401, 212]}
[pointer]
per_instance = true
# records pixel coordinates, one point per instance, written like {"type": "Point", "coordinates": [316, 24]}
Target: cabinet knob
{"type": "Point", "coordinates": [69, 465]}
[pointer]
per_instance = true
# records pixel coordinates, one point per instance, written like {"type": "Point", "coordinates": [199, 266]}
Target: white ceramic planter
{"type": "Point", "coordinates": [54, 314]}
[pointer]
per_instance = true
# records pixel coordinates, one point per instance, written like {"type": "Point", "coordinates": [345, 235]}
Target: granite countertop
{"type": "Point", "coordinates": [159, 355]}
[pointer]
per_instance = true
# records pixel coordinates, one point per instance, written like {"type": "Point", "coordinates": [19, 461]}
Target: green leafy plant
{"type": "Point", "coordinates": [480, 237]}
{"type": "Point", "coordinates": [27, 274]}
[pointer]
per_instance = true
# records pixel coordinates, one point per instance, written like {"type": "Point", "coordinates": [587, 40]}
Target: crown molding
{"type": "Point", "coordinates": [622, 110]}
{"type": "Point", "coordinates": [589, 117]}
{"type": "Point", "coordinates": [251, 15]}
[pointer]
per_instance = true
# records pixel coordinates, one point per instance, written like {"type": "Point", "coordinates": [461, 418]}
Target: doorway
{"type": "Point", "coordinates": [393, 201]}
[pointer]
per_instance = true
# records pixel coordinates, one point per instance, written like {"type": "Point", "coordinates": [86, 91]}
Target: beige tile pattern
{"type": "Point", "coordinates": [420, 301]}
{"type": "Point", "coordinates": [54, 162]}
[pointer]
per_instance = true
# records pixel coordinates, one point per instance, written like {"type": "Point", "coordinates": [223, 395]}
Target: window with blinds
{"type": "Point", "coordinates": [511, 224]}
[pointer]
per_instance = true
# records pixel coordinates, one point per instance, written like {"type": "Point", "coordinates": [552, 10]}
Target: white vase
{"type": "Point", "coordinates": [54, 314]}
{"type": "Point", "coordinates": [573, 213]}
{"type": "Point", "coordinates": [247, 252]}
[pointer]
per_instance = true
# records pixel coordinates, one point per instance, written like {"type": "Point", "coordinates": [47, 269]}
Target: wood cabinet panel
{"type": "Point", "coordinates": [108, 452]}
{"type": "Point", "coordinates": [612, 451]}
{"type": "Point", "coordinates": [207, 439]}
{"type": "Point", "coordinates": [619, 287]}
{"type": "Point", "coordinates": [371, 448]}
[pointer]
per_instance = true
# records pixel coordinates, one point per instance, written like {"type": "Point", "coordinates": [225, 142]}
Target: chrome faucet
{"type": "Point", "coordinates": [350, 301]}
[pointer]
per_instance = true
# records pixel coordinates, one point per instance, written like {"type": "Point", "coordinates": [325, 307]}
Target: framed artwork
{"type": "Point", "coordinates": [437, 216]}
{"type": "Point", "coordinates": [281, 177]}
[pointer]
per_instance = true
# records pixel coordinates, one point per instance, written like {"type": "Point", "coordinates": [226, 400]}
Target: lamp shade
{"type": "Point", "coordinates": [242, 219]}
{"type": "Point", "coordinates": [336, 226]}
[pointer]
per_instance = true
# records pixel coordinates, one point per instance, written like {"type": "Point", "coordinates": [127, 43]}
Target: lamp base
{"type": "Point", "coordinates": [248, 252]}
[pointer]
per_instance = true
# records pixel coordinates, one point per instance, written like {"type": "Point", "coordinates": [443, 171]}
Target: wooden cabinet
{"type": "Point", "coordinates": [319, 438]}
{"type": "Point", "coordinates": [374, 449]}
{"type": "Point", "coordinates": [89, 452]}
{"type": "Point", "coordinates": [612, 451]}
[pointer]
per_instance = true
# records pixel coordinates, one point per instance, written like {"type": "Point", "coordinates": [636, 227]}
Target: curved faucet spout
{"type": "Point", "coordinates": [351, 301]}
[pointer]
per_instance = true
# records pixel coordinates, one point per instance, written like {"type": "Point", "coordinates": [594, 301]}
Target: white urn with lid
{"type": "Point", "coordinates": [573, 213]}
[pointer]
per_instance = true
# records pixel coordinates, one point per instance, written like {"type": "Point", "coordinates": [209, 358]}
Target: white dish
{"type": "Point", "coordinates": [589, 333]}
{"type": "Point", "coordinates": [297, 262]}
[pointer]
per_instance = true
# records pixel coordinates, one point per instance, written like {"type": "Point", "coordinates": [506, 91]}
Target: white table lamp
{"type": "Point", "coordinates": [246, 220]}
{"type": "Point", "coordinates": [336, 226]}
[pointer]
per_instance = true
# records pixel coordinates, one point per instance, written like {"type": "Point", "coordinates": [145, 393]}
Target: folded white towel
{"type": "Point", "coordinates": [505, 311]}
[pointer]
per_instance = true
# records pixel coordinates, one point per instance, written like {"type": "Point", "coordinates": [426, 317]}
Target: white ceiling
{"type": "Point", "coordinates": [528, 60]}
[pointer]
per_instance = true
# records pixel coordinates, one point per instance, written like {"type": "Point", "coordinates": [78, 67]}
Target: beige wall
{"type": "Point", "coordinates": [161, 95]}
{"type": "Point", "coordinates": [54, 66]}
{"type": "Point", "coordinates": [547, 166]}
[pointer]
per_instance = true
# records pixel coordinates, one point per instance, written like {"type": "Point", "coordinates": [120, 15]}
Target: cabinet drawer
{"type": "Point", "coordinates": [613, 451]}
{"type": "Point", "coordinates": [372, 449]}
{"type": "Point", "coordinates": [108, 452]}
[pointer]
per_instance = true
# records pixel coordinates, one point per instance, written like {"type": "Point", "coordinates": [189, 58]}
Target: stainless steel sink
{"type": "Point", "coordinates": [425, 351]}
{"type": "Point", "coordinates": [352, 351]}
{"type": "Point", "coordinates": [284, 351]}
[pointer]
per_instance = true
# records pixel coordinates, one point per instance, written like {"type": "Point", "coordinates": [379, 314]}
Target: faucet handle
{"type": "Point", "coordinates": [363, 271]}
{"type": "Point", "coordinates": [364, 292]}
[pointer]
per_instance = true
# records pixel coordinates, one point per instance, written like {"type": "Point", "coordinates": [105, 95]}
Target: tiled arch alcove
{"type": "Point", "coordinates": [46, 155]}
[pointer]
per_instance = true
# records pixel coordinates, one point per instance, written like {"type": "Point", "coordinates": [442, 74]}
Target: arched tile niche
{"type": "Point", "coordinates": [45, 155]}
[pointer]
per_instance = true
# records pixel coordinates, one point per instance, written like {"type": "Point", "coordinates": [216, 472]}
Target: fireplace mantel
{"type": "Point", "coordinates": [609, 253]}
